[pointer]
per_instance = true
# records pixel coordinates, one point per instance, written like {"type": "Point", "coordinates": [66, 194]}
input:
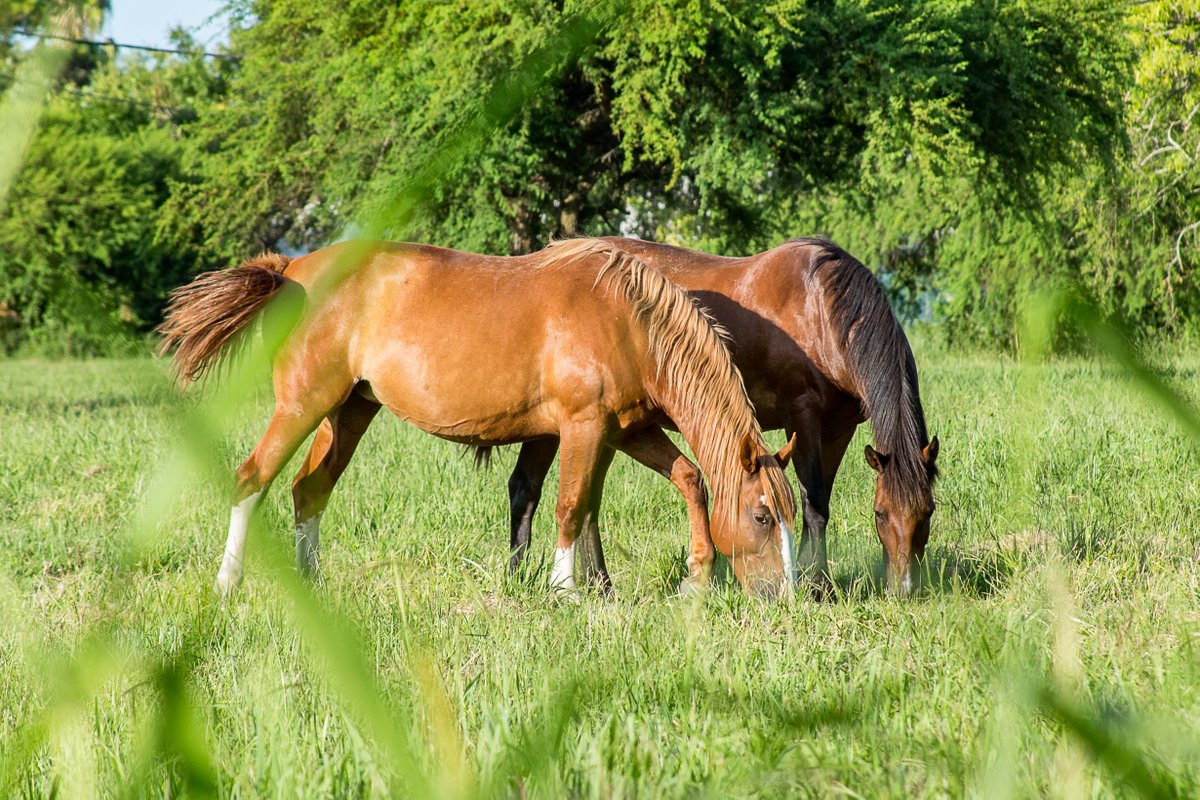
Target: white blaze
{"type": "Point", "coordinates": [787, 549]}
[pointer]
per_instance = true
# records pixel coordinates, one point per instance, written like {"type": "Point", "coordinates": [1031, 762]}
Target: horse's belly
{"type": "Point", "coordinates": [465, 397]}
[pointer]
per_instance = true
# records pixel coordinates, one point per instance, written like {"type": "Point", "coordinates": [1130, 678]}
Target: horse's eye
{"type": "Point", "coordinates": [880, 516]}
{"type": "Point", "coordinates": [761, 518]}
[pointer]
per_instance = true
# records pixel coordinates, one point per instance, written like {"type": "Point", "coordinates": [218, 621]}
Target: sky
{"type": "Point", "coordinates": [146, 22]}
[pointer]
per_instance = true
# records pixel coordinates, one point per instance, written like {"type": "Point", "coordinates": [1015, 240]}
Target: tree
{"type": "Point", "coordinates": [709, 118]}
{"type": "Point", "coordinates": [943, 141]}
{"type": "Point", "coordinates": [84, 263]}
{"type": "Point", "coordinates": [1145, 230]}
{"type": "Point", "coordinates": [1123, 232]}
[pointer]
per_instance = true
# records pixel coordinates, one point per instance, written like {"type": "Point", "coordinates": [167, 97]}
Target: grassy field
{"type": "Point", "coordinates": [1053, 652]}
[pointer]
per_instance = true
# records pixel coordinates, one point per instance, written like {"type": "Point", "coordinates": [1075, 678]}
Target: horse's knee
{"type": "Point", "coordinates": [249, 478]}
{"type": "Point", "coordinates": [690, 481]}
{"type": "Point", "coordinates": [814, 520]}
{"type": "Point", "coordinates": [569, 514]}
{"type": "Point", "coordinates": [516, 483]}
{"type": "Point", "coordinates": [523, 487]}
{"type": "Point", "coordinates": [568, 511]}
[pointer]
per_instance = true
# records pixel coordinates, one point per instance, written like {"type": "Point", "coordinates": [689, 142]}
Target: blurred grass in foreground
{"type": "Point", "coordinates": [421, 669]}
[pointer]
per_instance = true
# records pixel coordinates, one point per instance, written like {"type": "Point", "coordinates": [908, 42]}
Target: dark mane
{"type": "Point", "coordinates": [882, 365]}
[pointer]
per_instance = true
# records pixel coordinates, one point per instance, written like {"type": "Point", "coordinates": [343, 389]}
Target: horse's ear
{"type": "Point", "coordinates": [876, 459]}
{"type": "Point", "coordinates": [748, 453]}
{"type": "Point", "coordinates": [785, 455]}
{"type": "Point", "coordinates": [930, 452]}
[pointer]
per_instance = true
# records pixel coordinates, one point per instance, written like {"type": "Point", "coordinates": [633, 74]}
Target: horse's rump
{"type": "Point", "coordinates": [206, 320]}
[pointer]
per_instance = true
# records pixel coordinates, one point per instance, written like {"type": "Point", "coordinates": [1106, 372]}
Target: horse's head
{"type": "Point", "coordinates": [902, 518]}
{"type": "Point", "coordinates": [756, 535]}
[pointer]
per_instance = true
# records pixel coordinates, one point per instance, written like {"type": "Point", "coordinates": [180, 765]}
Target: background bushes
{"type": "Point", "coordinates": [966, 149]}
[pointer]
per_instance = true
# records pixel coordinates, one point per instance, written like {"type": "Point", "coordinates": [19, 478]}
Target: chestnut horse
{"type": "Point", "coordinates": [580, 349]}
{"type": "Point", "coordinates": [821, 352]}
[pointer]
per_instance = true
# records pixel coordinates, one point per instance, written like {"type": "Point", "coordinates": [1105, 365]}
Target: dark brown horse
{"type": "Point", "coordinates": [821, 351]}
{"type": "Point", "coordinates": [579, 349]}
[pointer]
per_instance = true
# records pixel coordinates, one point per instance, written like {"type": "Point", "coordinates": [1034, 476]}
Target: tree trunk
{"type": "Point", "coordinates": [522, 230]}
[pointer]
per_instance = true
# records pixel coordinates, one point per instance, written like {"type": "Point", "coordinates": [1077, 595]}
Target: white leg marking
{"type": "Point", "coordinates": [811, 557]}
{"type": "Point", "coordinates": [563, 576]}
{"type": "Point", "coordinates": [308, 544]}
{"type": "Point", "coordinates": [787, 549]}
{"type": "Point", "coordinates": [239, 523]}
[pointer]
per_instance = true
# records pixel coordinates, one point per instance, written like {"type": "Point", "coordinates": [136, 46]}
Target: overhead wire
{"type": "Point", "coordinates": [124, 46]}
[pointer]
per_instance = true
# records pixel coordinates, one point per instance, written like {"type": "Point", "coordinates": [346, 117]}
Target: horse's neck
{"type": "Point", "coordinates": [870, 384]}
{"type": "Point", "coordinates": [898, 402]}
{"type": "Point", "coordinates": [830, 356]}
{"type": "Point", "coordinates": [695, 430]}
{"type": "Point", "coordinates": [830, 352]}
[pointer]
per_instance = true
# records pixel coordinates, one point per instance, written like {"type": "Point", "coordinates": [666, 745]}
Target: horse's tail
{"type": "Point", "coordinates": [206, 320]}
{"type": "Point", "coordinates": [482, 456]}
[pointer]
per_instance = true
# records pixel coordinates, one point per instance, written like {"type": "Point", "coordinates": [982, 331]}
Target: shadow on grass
{"type": "Point", "coordinates": [976, 574]}
{"type": "Point", "coordinates": [56, 406]}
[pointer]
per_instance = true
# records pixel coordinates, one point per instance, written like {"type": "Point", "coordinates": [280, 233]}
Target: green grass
{"type": "Point", "coordinates": [1053, 653]}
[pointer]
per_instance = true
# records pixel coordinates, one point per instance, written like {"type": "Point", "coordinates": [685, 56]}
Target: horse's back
{"type": "Point", "coordinates": [482, 349]}
{"type": "Point", "coordinates": [774, 314]}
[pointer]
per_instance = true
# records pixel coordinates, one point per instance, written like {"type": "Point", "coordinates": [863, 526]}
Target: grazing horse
{"type": "Point", "coordinates": [579, 349]}
{"type": "Point", "coordinates": [821, 352]}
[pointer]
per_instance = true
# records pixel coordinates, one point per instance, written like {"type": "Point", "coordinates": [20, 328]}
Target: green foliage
{"type": "Point", "coordinates": [83, 258]}
{"type": "Point", "coordinates": [1145, 228]}
{"type": "Point", "coordinates": [329, 109]}
{"type": "Point", "coordinates": [790, 104]}
{"type": "Point", "coordinates": [77, 242]}
{"type": "Point", "coordinates": [706, 117]}
{"type": "Point", "coordinates": [967, 150]}
{"type": "Point", "coordinates": [1123, 232]}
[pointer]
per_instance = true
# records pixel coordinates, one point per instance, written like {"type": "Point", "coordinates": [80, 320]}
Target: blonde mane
{"type": "Point", "coordinates": [692, 359]}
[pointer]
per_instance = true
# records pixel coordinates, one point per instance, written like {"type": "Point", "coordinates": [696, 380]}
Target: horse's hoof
{"type": "Point", "coordinates": [567, 594]}
{"type": "Point", "coordinates": [227, 583]}
{"type": "Point", "coordinates": [690, 587]}
{"type": "Point", "coordinates": [821, 589]}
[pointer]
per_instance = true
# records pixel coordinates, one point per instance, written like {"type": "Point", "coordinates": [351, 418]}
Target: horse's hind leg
{"type": "Point", "coordinates": [330, 453]}
{"type": "Point", "coordinates": [524, 493]}
{"type": "Point", "coordinates": [290, 425]}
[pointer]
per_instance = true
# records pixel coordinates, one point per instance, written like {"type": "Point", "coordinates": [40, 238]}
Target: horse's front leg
{"type": "Point", "coordinates": [330, 453]}
{"type": "Point", "coordinates": [654, 449]}
{"type": "Point", "coordinates": [583, 463]}
{"type": "Point", "coordinates": [810, 460]}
